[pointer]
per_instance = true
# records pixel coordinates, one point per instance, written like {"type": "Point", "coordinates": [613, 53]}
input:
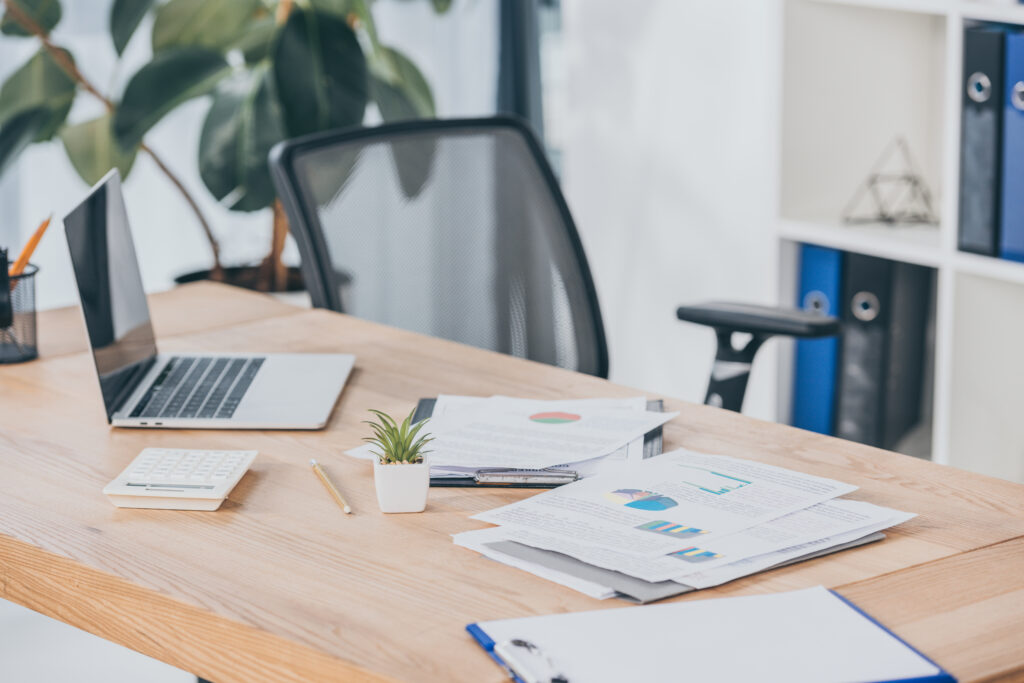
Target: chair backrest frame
{"type": "Point", "coordinates": [309, 234]}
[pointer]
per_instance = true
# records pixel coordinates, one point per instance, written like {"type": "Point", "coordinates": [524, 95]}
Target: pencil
{"type": "Point", "coordinates": [30, 246]}
{"type": "Point", "coordinates": [335, 493]}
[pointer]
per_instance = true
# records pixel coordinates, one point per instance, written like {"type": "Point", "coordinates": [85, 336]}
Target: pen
{"type": "Point", "coordinates": [30, 246]}
{"type": "Point", "coordinates": [335, 493]}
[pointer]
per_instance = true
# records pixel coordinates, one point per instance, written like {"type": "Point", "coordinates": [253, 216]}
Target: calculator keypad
{"type": "Point", "coordinates": [165, 466]}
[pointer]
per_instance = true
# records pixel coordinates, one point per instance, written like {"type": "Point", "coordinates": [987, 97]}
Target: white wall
{"type": "Point", "coordinates": [669, 137]}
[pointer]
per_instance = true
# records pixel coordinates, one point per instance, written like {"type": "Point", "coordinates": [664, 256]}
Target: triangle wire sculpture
{"type": "Point", "coordinates": [892, 195]}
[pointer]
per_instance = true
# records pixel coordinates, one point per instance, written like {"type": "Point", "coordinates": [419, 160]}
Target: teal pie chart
{"type": "Point", "coordinates": [652, 503]}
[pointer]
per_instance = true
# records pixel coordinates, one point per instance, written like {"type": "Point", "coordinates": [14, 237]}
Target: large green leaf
{"type": "Point", "coordinates": [53, 122]}
{"type": "Point", "coordinates": [320, 72]}
{"type": "Point", "coordinates": [125, 16]}
{"type": "Point", "coordinates": [258, 39]}
{"type": "Point", "coordinates": [170, 79]}
{"type": "Point", "coordinates": [18, 133]}
{"type": "Point", "coordinates": [38, 84]}
{"type": "Point", "coordinates": [93, 151]}
{"type": "Point", "coordinates": [215, 24]}
{"type": "Point", "coordinates": [398, 87]}
{"type": "Point", "coordinates": [45, 13]}
{"type": "Point", "coordinates": [407, 97]}
{"type": "Point", "coordinates": [244, 122]}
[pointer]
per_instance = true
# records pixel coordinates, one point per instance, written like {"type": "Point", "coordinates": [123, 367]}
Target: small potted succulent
{"type": "Point", "coordinates": [400, 473]}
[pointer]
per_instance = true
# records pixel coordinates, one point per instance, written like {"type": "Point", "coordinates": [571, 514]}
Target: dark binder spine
{"type": "Point", "coordinates": [981, 139]}
{"type": "Point", "coordinates": [863, 357]}
{"type": "Point", "coordinates": [905, 365]}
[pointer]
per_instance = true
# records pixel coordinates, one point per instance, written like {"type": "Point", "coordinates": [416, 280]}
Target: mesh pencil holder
{"type": "Point", "coordinates": [18, 318]}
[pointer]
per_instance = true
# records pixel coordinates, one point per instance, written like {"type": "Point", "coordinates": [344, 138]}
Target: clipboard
{"type": "Point", "coordinates": [616, 634]}
{"type": "Point", "coordinates": [653, 445]}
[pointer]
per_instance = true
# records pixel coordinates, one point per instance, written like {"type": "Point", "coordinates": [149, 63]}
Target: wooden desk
{"type": "Point", "coordinates": [280, 586]}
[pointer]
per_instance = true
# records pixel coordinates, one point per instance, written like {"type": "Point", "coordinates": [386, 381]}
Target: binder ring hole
{"type": "Point", "coordinates": [816, 302]}
{"type": "Point", "coordinates": [865, 306]}
{"type": "Point", "coordinates": [979, 87]}
{"type": "Point", "coordinates": [1017, 96]}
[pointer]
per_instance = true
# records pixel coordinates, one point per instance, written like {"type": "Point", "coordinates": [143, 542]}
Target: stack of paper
{"type": "Point", "coordinates": [474, 433]}
{"type": "Point", "coordinates": [688, 519]}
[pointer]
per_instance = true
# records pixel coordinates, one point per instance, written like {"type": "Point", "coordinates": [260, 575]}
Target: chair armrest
{"type": "Point", "coordinates": [763, 320]}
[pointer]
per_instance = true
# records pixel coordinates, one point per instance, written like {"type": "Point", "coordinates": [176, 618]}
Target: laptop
{"type": "Point", "coordinates": [144, 388]}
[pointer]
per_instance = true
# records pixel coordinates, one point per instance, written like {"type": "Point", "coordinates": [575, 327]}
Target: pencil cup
{"type": "Point", "coordinates": [18, 318]}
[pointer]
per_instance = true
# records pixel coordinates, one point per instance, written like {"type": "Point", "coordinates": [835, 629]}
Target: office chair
{"type": "Point", "coordinates": [452, 228]}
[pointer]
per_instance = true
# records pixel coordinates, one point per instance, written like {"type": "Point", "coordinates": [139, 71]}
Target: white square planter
{"type": "Point", "coordinates": [401, 487]}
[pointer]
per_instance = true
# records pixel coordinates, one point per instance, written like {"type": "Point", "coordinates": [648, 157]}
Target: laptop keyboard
{"type": "Point", "coordinates": [209, 388]}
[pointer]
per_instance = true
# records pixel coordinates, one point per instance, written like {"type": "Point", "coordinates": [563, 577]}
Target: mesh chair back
{"type": "Point", "coordinates": [451, 228]}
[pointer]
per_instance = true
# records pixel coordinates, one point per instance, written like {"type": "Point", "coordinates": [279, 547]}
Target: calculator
{"type": "Point", "coordinates": [178, 479]}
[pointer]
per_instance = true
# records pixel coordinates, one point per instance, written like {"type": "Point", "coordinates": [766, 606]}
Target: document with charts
{"type": "Point", "coordinates": [817, 524]}
{"type": "Point", "coordinates": [503, 432]}
{"type": "Point", "coordinates": [649, 508]}
{"type": "Point", "coordinates": [634, 451]}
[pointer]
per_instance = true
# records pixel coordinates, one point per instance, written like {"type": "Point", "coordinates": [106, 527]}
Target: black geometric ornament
{"type": "Point", "coordinates": [893, 192]}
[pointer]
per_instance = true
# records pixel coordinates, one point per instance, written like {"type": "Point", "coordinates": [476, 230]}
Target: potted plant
{"type": "Point", "coordinates": [272, 70]}
{"type": "Point", "coordinates": [400, 473]}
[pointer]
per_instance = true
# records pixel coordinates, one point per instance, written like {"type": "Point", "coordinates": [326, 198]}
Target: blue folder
{"type": "Point", "coordinates": [814, 377]}
{"type": "Point", "coordinates": [1011, 241]}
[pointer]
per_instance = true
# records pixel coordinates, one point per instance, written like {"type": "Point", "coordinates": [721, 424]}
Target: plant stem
{"type": "Point", "coordinates": [217, 272]}
{"type": "Point", "coordinates": [284, 9]}
{"type": "Point", "coordinates": [69, 67]}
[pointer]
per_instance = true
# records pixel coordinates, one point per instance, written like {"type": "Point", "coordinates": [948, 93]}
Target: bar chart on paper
{"type": "Point", "coordinates": [711, 481]}
{"type": "Point", "coordinates": [694, 554]}
{"type": "Point", "coordinates": [660, 526]}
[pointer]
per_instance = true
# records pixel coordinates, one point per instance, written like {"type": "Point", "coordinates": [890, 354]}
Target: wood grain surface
{"type": "Point", "coordinates": [279, 585]}
{"type": "Point", "coordinates": [189, 308]}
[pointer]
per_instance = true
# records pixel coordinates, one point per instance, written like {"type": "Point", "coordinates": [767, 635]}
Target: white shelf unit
{"type": "Point", "coordinates": [856, 74]}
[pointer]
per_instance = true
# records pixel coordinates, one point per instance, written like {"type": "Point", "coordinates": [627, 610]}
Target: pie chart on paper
{"type": "Point", "coordinates": [555, 418]}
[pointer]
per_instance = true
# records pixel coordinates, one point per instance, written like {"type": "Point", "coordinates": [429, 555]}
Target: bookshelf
{"type": "Point", "coordinates": [854, 75]}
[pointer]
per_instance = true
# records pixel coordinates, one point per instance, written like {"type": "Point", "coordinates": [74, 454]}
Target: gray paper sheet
{"type": "Point", "coordinates": [628, 587]}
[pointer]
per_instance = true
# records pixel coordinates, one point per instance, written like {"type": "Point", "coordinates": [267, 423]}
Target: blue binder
{"type": "Point", "coordinates": [1011, 241]}
{"type": "Point", "coordinates": [814, 381]}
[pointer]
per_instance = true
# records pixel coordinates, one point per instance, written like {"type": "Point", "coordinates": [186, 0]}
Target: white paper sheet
{"type": "Point", "coordinates": [752, 565]}
{"type": "Point", "coordinates": [633, 452]}
{"type": "Point", "coordinates": [650, 508]}
{"type": "Point", "coordinates": [806, 636]}
{"type": "Point", "coordinates": [504, 432]}
{"type": "Point", "coordinates": [819, 522]}
{"type": "Point", "coordinates": [475, 541]}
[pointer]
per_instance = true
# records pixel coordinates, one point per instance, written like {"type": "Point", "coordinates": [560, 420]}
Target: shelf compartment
{"type": "Point", "coordinates": [989, 267]}
{"type": "Point", "coordinates": [986, 430]}
{"type": "Point", "coordinates": [856, 77]}
{"type": "Point", "coordinates": [939, 7]}
{"type": "Point", "coordinates": [918, 244]}
{"type": "Point", "coordinates": [1007, 14]}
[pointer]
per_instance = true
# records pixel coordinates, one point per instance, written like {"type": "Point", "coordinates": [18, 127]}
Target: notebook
{"type": "Point", "coordinates": [806, 636]}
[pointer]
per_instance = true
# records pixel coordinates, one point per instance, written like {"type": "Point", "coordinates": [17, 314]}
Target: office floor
{"type": "Point", "coordinates": [40, 649]}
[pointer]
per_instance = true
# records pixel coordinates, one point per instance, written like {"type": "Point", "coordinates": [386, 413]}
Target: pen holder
{"type": "Point", "coordinates": [18, 317]}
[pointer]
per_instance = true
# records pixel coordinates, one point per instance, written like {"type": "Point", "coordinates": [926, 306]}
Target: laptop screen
{"type": "Point", "coordinates": [110, 289]}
